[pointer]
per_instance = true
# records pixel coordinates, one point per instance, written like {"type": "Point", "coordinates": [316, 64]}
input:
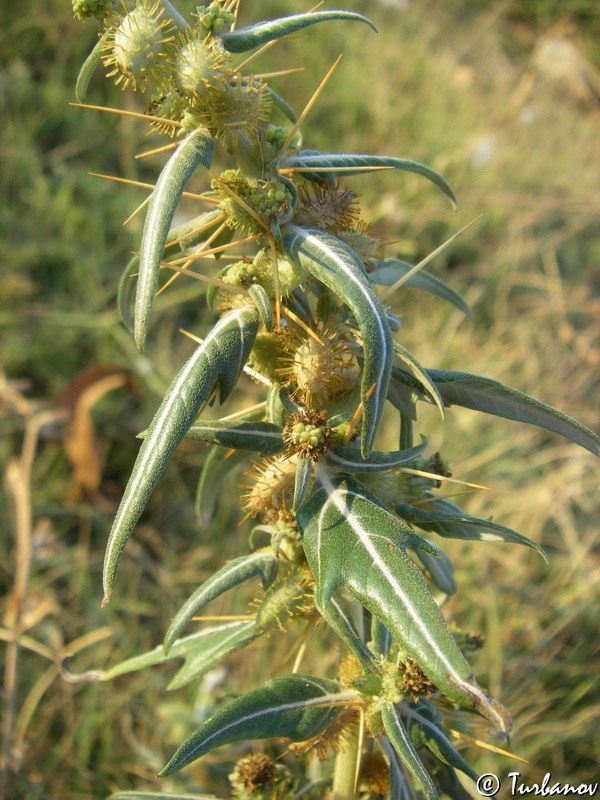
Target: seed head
{"type": "Point", "coordinates": [307, 435]}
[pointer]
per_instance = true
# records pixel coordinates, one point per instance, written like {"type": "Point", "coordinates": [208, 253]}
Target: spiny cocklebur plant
{"type": "Point", "coordinates": [303, 312]}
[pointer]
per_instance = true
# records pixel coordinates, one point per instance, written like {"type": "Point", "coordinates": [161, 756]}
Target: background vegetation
{"type": "Point", "coordinates": [474, 89]}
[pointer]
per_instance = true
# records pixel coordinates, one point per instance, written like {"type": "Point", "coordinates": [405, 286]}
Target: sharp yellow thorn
{"type": "Point", "coordinates": [332, 169]}
{"type": "Point", "coordinates": [275, 281]}
{"type": "Point", "coordinates": [171, 146]}
{"type": "Point", "coordinates": [147, 117]}
{"type": "Point", "coordinates": [301, 323]}
{"type": "Point", "coordinates": [308, 107]}
{"type": "Point", "coordinates": [212, 200]}
{"type": "Point", "coordinates": [229, 287]}
{"type": "Point", "coordinates": [427, 259]}
{"type": "Point", "coordinates": [258, 53]}
{"type": "Point", "coordinates": [240, 202]}
{"type": "Point", "coordinates": [486, 746]}
{"type": "Point", "coordinates": [279, 73]}
{"type": "Point", "coordinates": [137, 210]}
{"type": "Point", "coordinates": [421, 473]}
{"type": "Point", "coordinates": [244, 411]}
{"type": "Point", "coordinates": [210, 239]}
{"type": "Point", "coordinates": [198, 230]}
{"type": "Point", "coordinates": [353, 423]}
{"type": "Point", "coordinates": [220, 249]}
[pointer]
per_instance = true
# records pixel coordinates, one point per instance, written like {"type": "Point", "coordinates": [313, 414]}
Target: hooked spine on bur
{"type": "Point", "coordinates": [302, 313]}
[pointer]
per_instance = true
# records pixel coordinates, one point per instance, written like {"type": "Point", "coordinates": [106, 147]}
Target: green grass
{"type": "Point", "coordinates": [450, 89]}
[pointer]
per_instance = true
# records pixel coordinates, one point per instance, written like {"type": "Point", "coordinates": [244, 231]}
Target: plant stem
{"type": "Point", "coordinates": [344, 774]}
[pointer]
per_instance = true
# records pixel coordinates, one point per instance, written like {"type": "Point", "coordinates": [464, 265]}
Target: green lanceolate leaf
{"type": "Point", "coordinates": [357, 163]}
{"type": "Point", "coordinates": [439, 567]}
{"type": "Point", "coordinates": [219, 463]}
{"type": "Point", "coordinates": [493, 397]}
{"type": "Point", "coordinates": [243, 39]}
{"type": "Point", "coordinates": [201, 660]}
{"type": "Point", "coordinates": [339, 268]}
{"type": "Point", "coordinates": [261, 300]}
{"type": "Point", "coordinates": [263, 563]}
{"type": "Point", "coordinates": [196, 149]}
{"type": "Point", "coordinates": [255, 437]}
{"type": "Point", "coordinates": [391, 270]}
{"type": "Point", "coordinates": [187, 234]}
{"type": "Point", "coordinates": [399, 786]}
{"type": "Point", "coordinates": [340, 620]}
{"type": "Point", "coordinates": [420, 374]}
{"type": "Point", "coordinates": [405, 749]}
{"type": "Point", "coordinates": [218, 361]}
{"type": "Point", "coordinates": [301, 481]}
{"type": "Point", "coordinates": [350, 541]}
{"type": "Point", "coordinates": [281, 105]}
{"type": "Point", "coordinates": [449, 520]}
{"type": "Point", "coordinates": [348, 459]}
{"type": "Point", "coordinates": [433, 735]}
{"type": "Point", "coordinates": [295, 706]}
{"type": "Point", "coordinates": [211, 644]}
{"type": "Point", "coordinates": [88, 68]}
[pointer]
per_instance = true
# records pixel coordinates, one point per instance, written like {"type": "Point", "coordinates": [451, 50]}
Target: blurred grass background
{"type": "Point", "coordinates": [503, 99]}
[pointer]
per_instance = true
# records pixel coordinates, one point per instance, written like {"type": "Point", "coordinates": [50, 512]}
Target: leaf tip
{"type": "Point", "coordinates": [106, 599]}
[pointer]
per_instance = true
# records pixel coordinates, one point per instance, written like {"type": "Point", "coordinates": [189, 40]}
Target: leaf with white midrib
{"type": "Point", "coordinates": [449, 520]}
{"type": "Point", "coordinates": [436, 739]}
{"type": "Point", "coordinates": [364, 163]}
{"type": "Point", "coordinates": [219, 360]}
{"type": "Point", "coordinates": [256, 437]}
{"type": "Point", "coordinates": [405, 749]}
{"type": "Point", "coordinates": [492, 397]}
{"type": "Point", "coordinates": [337, 266]}
{"type": "Point", "coordinates": [263, 563]}
{"type": "Point", "coordinates": [244, 39]}
{"type": "Point", "coordinates": [348, 459]}
{"type": "Point", "coordinates": [388, 271]}
{"type": "Point", "coordinates": [196, 149]}
{"type": "Point", "coordinates": [351, 541]}
{"type": "Point", "coordinates": [295, 706]}
{"type": "Point", "coordinates": [202, 641]}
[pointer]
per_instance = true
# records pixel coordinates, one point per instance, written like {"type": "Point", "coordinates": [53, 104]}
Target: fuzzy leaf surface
{"type": "Point", "coordinates": [263, 563]}
{"type": "Point", "coordinates": [421, 375]}
{"type": "Point", "coordinates": [196, 149]}
{"type": "Point", "coordinates": [433, 735]}
{"type": "Point", "coordinates": [439, 567]}
{"type": "Point", "coordinates": [219, 360]}
{"type": "Point", "coordinates": [348, 459]}
{"type": "Point", "coordinates": [405, 749]}
{"type": "Point", "coordinates": [256, 437]}
{"type": "Point", "coordinates": [391, 270]}
{"type": "Point", "coordinates": [244, 39]}
{"type": "Point", "coordinates": [219, 463]}
{"type": "Point", "coordinates": [351, 541]}
{"type": "Point", "coordinates": [449, 520]}
{"type": "Point", "coordinates": [88, 68]}
{"type": "Point", "coordinates": [493, 397]}
{"type": "Point", "coordinates": [399, 788]}
{"type": "Point", "coordinates": [295, 706]}
{"type": "Point", "coordinates": [339, 618]}
{"type": "Point", "coordinates": [128, 282]}
{"type": "Point", "coordinates": [364, 163]}
{"type": "Point", "coordinates": [339, 268]}
{"type": "Point", "coordinates": [210, 644]}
